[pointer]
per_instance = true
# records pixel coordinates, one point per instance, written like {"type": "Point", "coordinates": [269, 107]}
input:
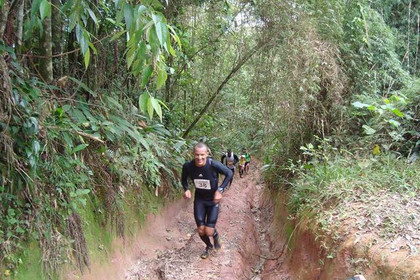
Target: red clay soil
{"type": "Point", "coordinates": [255, 229]}
{"type": "Point", "coordinates": [356, 252]}
{"type": "Point", "coordinates": [169, 246]}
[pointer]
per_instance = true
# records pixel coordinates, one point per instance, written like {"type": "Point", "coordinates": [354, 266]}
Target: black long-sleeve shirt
{"type": "Point", "coordinates": [205, 178]}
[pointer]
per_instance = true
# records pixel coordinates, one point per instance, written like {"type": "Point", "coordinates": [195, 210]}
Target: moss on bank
{"type": "Point", "coordinates": [99, 236]}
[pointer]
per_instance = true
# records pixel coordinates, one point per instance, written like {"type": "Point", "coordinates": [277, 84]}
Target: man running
{"type": "Point", "coordinates": [230, 160]}
{"type": "Point", "coordinates": [242, 164]}
{"type": "Point", "coordinates": [203, 172]}
{"type": "Point", "coordinates": [248, 159]}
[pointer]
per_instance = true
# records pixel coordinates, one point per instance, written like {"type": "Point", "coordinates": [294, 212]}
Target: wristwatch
{"type": "Point", "coordinates": [221, 190]}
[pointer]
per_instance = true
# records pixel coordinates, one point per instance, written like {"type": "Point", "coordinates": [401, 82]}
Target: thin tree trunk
{"type": "Point", "coordinates": [7, 28]}
{"type": "Point", "coordinates": [184, 119]}
{"type": "Point", "coordinates": [417, 49]}
{"type": "Point", "coordinates": [46, 66]}
{"type": "Point", "coordinates": [408, 37]}
{"type": "Point", "coordinates": [56, 38]}
{"type": "Point", "coordinates": [4, 11]}
{"type": "Point", "coordinates": [19, 29]}
{"type": "Point", "coordinates": [221, 86]}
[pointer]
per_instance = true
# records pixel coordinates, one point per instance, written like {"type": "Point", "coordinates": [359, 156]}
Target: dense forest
{"type": "Point", "coordinates": [102, 100]}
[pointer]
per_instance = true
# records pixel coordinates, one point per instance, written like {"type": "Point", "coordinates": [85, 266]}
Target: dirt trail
{"type": "Point", "coordinates": [169, 246]}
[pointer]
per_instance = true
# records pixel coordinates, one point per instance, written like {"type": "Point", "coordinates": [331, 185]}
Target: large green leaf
{"type": "Point", "coordinates": [368, 130]}
{"type": "Point", "coordinates": [143, 99]}
{"type": "Point", "coordinates": [131, 55]}
{"type": "Point", "coordinates": [78, 116]}
{"type": "Point", "coordinates": [161, 77]}
{"type": "Point", "coordinates": [45, 9]}
{"type": "Point", "coordinates": [128, 15]}
{"type": "Point", "coordinates": [150, 109]}
{"type": "Point", "coordinates": [394, 123]}
{"type": "Point", "coordinates": [153, 41]}
{"type": "Point", "coordinates": [87, 58]}
{"type": "Point", "coordinates": [92, 16]}
{"type": "Point", "coordinates": [174, 35]}
{"type": "Point", "coordinates": [142, 9]}
{"type": "Point", "coordinates": [157, 108]}
{"type": "Point", "coordinates": [78, 148]}
{"type": "Point", "coordinates": [398, 112]}
{"type": "Point", "coordinates": [147, 72]}
{"type": "Point", "coordinates": [161, 29]}
{"type": "Point", "coordinates": [358, 104]}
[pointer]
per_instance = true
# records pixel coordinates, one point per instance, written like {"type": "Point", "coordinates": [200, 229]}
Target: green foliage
{"type": "Point", "coordinates": [150, 105]}
{"type": "Point", "coordinates": [402, 18]}
{"type": "Point", "coordinates": [63, 154]}
{"type": "Point", "coordinates": [148, 37]}
{"type": "Point", "coordinates": [391, 122]}
{"type": "Point", "coordinates": [333, 71]}
{"type": "Point", "coordinates": [332, 184]}
{"type": "Point", "coordinates": [370, 50]}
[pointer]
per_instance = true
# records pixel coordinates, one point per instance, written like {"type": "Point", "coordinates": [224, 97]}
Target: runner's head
{"type": "Point", "coordinates": [229, 152]}
{"type": "Point", "coordinates": [201, 152]}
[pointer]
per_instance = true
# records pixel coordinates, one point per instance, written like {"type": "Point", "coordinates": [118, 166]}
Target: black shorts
{"type": "Point", "coordinates": [205, 212]}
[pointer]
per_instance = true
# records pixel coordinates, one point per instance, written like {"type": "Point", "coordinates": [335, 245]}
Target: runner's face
{"type": "Point", "coordinates": [200, 156]}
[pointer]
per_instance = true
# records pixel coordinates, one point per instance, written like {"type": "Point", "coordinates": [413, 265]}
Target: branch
{"type": "Point", "coordinates": [225, 81]}
{"type": "Point", "coordinates": [203, 47]}
{"type": "Point", "coordinates": [66, 53]}
{"type": "Point", "coordinates": [88, 136]}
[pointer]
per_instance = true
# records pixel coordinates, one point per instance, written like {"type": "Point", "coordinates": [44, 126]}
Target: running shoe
{"type": "Point", "coordinates": [217, 242]}
{"type": "Point", "coordinates": [206, 253]}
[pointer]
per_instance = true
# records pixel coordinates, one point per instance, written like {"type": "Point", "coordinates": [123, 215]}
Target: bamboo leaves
{"type": "Point", "coordinates": [149, 104]}
{"type": "Point", "coordinates": [148, 40]}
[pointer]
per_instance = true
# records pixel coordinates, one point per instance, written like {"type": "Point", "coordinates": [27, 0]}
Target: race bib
{"type": "Point", "coordinates": [202, 184]}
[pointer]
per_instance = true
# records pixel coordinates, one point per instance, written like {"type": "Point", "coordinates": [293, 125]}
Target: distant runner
{"type": "Point", "coordinates": [230, 160]}
{"type": "Point", "coordinates": [242, 163]}
{"type": "Point", "coordinates": [204, 172]}
{"type": "Point", "coordinates": [247, 158]}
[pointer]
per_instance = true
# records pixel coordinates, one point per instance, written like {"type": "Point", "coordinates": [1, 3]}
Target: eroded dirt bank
{"type": "Point", "coordinates": [169, 246]}
{"type": "Point", "coordinates": [260, 241]}
{"type": "Point", "coordinates": [297, 250]}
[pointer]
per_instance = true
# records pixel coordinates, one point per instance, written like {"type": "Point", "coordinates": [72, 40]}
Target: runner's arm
{"type": "Point", "coordinates": [184, 177]}
{"type": "Point", "coordinates": [236, 159]}
{"type": "Point", "coordinates": [220, 168]}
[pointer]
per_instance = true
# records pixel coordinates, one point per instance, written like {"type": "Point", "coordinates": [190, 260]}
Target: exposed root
{"type": "Point", "coordinates": [79, 243]}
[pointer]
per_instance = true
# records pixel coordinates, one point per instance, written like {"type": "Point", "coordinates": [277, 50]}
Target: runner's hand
{"type": "Point", "coordinates": [217, 196]}
{"type": "Point", "coordinates": [187, 194]}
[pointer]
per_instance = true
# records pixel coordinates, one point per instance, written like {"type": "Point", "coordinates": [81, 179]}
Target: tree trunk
{"type": "Point", "coordinates": [7, 27]}
{"type": "Point", "coordinates": [418, 46]}
{"type": "Point", "coordinates": [4, 11]}
{"type": "Point", "coordinates": [46, 66]}
{"type": "Point", "coordinates": [408, 37]}
{"type": "Point", "coordinates": [19, 31]}
{"type": "Point", "coordinates": [56, 38]}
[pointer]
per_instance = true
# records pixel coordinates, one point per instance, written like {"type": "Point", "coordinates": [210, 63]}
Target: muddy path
{"type": "Point", "coordinates": [169, 246]}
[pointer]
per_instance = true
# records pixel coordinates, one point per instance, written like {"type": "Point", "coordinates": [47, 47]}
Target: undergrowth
{"type": "Point", "coordinates": [61, 155]}
{"type": "Point", "coordinates": [378, 194]}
